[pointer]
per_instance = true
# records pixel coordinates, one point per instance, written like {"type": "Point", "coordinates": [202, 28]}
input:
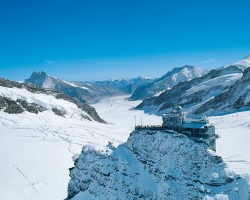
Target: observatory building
{"type": "Point", "coordinates": [198, 129]}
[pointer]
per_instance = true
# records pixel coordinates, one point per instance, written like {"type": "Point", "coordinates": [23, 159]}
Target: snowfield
{"type": "Point", "coordinates": [36, 150]}
{"type": "Point", "coordinates": [233, 146]}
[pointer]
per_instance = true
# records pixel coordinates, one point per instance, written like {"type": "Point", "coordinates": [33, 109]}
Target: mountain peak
{"type": "Point", "coordinates": [188, 66]}
{"type": "Point", "coordinates": [39, 73]}
{"type": "Point", "coordinates": [41, 79]}
{"type": "Point", "coordinates": [243, 64]}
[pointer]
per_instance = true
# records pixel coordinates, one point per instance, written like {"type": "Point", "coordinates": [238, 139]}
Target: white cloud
{"type": "Point", "coordinates": [209, 60]}
{"type": "Point", "coordinates": [49, 62]}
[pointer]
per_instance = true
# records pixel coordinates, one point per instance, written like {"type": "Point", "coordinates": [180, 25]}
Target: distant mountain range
{"type": "Point", "coordinates": [126, 85]}
{"type": "Point", "coordinates": [87, 92]}
{"type": "Point", "coordinates": [167, 81]}
{"type": "Point", "coordinates": [219, 91]}
{"type": "Point", "coordinates": [82, 92]}
{"type": "Point", "coordinates": [199, 91]}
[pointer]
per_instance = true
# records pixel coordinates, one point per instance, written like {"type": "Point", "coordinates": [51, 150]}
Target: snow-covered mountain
{"type": "Point", "coordinates": [235, 98]}
{"type": "Point", "coordinates": [243, 64]}
{"type": "Point", "coordinates": [193, 94]}
{"type": "Point", "coordinates": [167, 81]}
{"type": "Point", "coordinates": [154, 165]}
{"type": "Point", "coordinates": [82, 92]}
{"type": "Point", "coordinates": [126, 85]}
{"type": "Point", "coordinates": [17, 98]}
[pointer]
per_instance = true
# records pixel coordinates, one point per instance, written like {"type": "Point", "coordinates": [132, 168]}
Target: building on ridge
{"type": "Point", "coordinates": [198, 129]}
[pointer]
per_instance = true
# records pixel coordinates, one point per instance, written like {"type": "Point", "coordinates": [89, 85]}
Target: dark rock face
{"type": "Point", "coordinates": [19, 106]}
{"type": "Point", "coordinates": [58, 112]}
{"type": "Point", "coordinates": [92, 112]}
{"type": "Point", "coordinates": [12, 107]}
{"type": "Point", "coordinates": [31, 107]}
{"type": "Point", "coordinates": [167, 81]}
{"type": "Point", "coordinates": [3, 103]}
{"type": "Point", "coordinates": [37, 78]}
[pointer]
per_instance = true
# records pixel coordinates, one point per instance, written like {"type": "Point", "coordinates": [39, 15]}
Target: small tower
{"type": "Point", "coordinates": [174, 119]}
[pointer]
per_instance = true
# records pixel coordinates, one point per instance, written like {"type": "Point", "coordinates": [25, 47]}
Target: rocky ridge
{"type": "Point", "coordinates": [194, 93]}
{"type": "Point", "coordinates": [167, 81]}
{"type": "Point", "coordinates": [235, 98]}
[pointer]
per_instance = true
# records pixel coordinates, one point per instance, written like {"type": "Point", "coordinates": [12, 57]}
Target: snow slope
{"type": "Point", "coordinates": [233, 146]}
{"type": "Point", "coordinates": [36, 150]}
{"type": "Point", "coordinates": [237, 97]}
{"type": "Point", "coordinates": [41, 145]}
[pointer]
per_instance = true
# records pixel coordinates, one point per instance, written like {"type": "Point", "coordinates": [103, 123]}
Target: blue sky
{"type": "Point", "coordinates": [101, 39]}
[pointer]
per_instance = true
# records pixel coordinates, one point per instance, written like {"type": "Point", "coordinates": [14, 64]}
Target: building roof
{"type": "Point", "coordinates": [193, 125]}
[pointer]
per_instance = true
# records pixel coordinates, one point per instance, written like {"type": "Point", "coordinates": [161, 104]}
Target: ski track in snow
{"type": "Point", "coordinates": [42, 146]}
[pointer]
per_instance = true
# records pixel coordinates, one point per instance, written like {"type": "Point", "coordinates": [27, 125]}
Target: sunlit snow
{"type": "Point", "coordinates": [36, 150]}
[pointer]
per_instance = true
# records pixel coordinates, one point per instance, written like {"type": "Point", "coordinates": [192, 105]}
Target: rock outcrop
{"type": "Point", "coordinates": [154, 165]}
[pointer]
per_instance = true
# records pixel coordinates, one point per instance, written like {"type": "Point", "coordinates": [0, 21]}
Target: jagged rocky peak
{"type": "Point", "coordinates": [39, 73]}
{"type": "Point", "coordinates": [154, 165]}
{"type": "Point", "coordinates": [41, 79]}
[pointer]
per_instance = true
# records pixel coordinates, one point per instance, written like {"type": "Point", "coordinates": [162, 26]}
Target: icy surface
{"type": "Point", "coordinates": [233, 146]}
